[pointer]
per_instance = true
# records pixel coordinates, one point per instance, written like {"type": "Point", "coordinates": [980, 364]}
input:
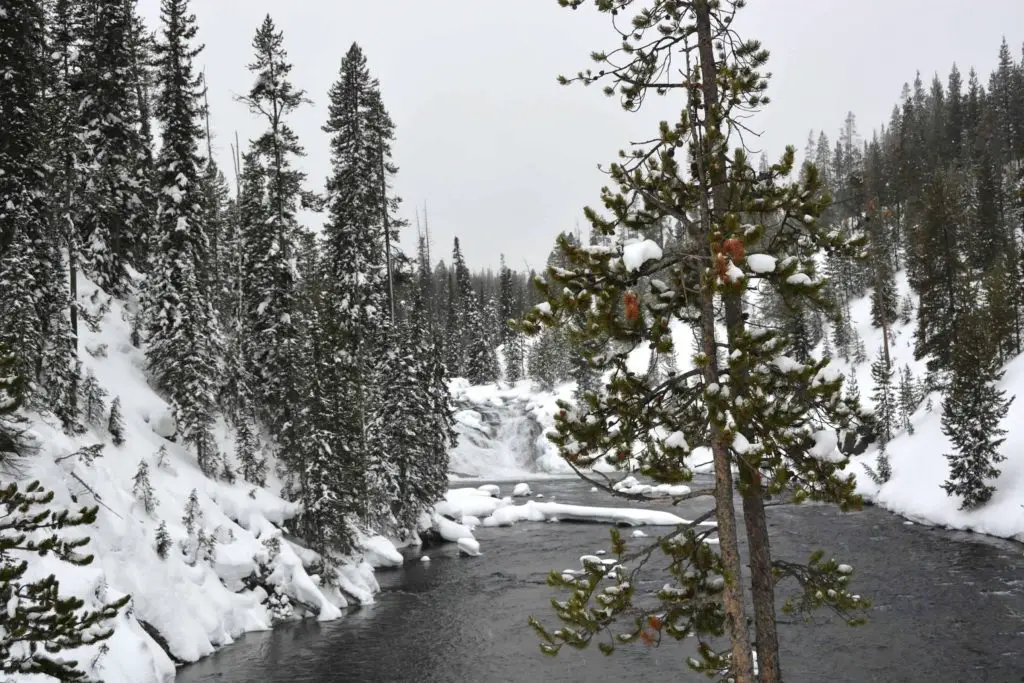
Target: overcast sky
{"type": "Point", "coordinates": [502, 156]}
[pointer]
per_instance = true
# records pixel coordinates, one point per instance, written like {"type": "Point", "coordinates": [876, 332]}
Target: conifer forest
{"type": "Point", "coordinates": [233, 396]}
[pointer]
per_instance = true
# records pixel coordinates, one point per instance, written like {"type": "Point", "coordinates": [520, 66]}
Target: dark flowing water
{"type": "Point", "coordinates": [947, 607]}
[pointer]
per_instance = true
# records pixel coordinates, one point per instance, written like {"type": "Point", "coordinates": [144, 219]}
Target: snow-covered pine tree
{"type": "Point", "coordinates": [247, 452]}
{"type": "Point", "coordinates": [184, 338]}
{"type": "Point", "coordinates": [481, 364]}
{"type": "Point", "coordinates": [907, 397]}
{"type": "Point", "coordinates": [142, 489]}
{"type": "Point", "coordinates": [39, 623]}
{"type": "Point", "coordinates": [972, 412]}
{"type": "Point", "coordinates": [115, 202]}
{"type": "Point", "coordinates": [115, 423]}
{"type": "Point", "coordinates": [515, 357]}
{"type": "Point", "coordinates": [884, 397]}
{"type": "Point", "coordinates": [355, 319]}
{"type": "Point", "coordinates": [547, 363]}
{"type": "Point", "coordinates": [34, 298]}
{"type": "Point", "coordinates": [193, 517]}
{"type": "Point", "coordinates": [92, 400]}
{"type": "Point", "coordinates": [163, 540]}
{"type": "Point", "coordinates": [273, 322]}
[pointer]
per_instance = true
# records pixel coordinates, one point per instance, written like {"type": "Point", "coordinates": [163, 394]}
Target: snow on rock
{"type": "Point", "coordinates": [424, 558]}
{"type": "Point", "coordinates": [163, 424]}
{"type": "Point", "coordinates": [521, 490]}
{"type": "Point", "coordinates": [469, 546]}
{"type": "Point", "coordinates": [630, 485]}
{"type": "Point", "coordinates": [532, 511]}
{"type": "Point", "coordinates": [380, 552]}
{"type": "Point", "coordinates": [196, 603]}
{"type": "Point", "coordinates": [639, 534]}
{"type": "Point", "coordinates": [635, 255]}
{"type": "Point", "coordinates": [459, 503]}
{"type": "Point", "coordinates": [491, 489]}
{"type": "Point", "coordinates": [470, 522]}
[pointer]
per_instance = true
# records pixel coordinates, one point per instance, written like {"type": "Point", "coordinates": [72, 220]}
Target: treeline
{"type": "Point", "coordinates": [323, 348]}
{"type": "Point", "coordinates": [939, 189]}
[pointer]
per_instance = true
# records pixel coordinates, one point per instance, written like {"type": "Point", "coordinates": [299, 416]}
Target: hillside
{"type": "Point", "coordinates": [195, 606]}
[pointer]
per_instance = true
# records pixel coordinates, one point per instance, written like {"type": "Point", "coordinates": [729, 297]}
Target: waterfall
{"type": "Point", "coordinates": [498, 439]}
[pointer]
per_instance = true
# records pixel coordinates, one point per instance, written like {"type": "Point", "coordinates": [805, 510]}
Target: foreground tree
{"type": "Point", "coordinates": [38, 622]}
{"type": "Point", "coordinates": [774, 418]}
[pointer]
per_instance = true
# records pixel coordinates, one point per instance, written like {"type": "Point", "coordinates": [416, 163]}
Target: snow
{"type": "Point", "coordinates": [425, 558]}
{"type": "Point", "coordinates": [919, 466]}
{"type": "Point", "coordinates": [491, 489]}
{"type": "Point", "coordinates": [630, 485]}
{"type": "Point", "coordinates": [197, 605]}
{"type": "Point", "coordinates": [826, 446]}
{"type": "Point", "coordinates": [469, 546]}
{"type": "Point", "coordinates": [635, 255]}
{"type": "Point", "coordinates": [521, 490]}
{"type": "Point", "coordinates": [532, 511]}
{"type": "Point", "coordinates": [761, 263]}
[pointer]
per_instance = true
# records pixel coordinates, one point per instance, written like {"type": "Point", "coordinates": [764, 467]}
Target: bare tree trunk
{"type": "Point", "coordinates": [753, 505]}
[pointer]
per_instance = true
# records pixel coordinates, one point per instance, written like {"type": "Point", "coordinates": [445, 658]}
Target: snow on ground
{"type": "Point", "coordinates": [196, 606]}
{"type": "Point", "coordinates": [919, 466]}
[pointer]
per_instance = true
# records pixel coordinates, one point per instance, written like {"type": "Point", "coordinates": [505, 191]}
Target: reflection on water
{"type": "Point", "coordinates": [947, 608]}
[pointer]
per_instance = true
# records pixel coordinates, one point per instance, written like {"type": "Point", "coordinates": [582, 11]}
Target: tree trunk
{"type": "Point", "coordinates": [753, 505]}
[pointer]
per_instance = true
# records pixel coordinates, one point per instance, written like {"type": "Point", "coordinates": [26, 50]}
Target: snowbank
{"type": "Point", "coordinates": [532, 511]}
{"type": "Point", "coordinates": [196, 603]}
{"type": "Point", "coordinates": [919, 466]}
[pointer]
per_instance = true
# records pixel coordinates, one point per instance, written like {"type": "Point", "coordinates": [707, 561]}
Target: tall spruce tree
{"type": "Point", "coordinates": [883, 396]}
{"type": "Point", "coordinates": [184, 337]}
{"type": "Point", "coordinates": [273, 325]}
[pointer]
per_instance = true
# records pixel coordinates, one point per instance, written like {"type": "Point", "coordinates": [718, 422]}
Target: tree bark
{"type": "Point", "coordinates": [755, 521]}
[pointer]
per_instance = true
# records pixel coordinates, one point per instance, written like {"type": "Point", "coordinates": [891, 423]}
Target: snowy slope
{"type": "Point", "coordinates": [918, 465]}
{"type": "Point", "coordinates": [194, 608]}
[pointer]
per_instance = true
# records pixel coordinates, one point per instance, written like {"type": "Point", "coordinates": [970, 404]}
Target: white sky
{"type": "Point", "coordinates": [503, 157]}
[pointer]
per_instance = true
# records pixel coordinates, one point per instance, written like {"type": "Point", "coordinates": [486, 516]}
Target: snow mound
{"type": "Point", "coordinates": [521, 490]}
{"type": "Point", "coordinates": [532, 511]}
{"type": "Point", "coordinates": [469, 546]}
{"type": "Point", "coordinates": [631, 486]}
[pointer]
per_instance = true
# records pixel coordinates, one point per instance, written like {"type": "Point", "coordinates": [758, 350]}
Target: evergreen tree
{"type": "Point", "coordinates": [907, 397]}
{"type": "Point", "coordinates": [883, 397]}
{"type": "Point", "coordinates": [143, 490]}
{"type": "Point", "coordinates": [972, 410]}
{"type": "Point", "coordinates": [184, 338]}
{"type": "Point", "coordinates": [273, 325]}
{"type": "Point", "coordinates": [481, 364]}
{"type": "Point", "coordinates": [163, 540]}
{"type": "Point", "coordinates": [247, 452]}
{"type": "Point", "coordinates": [193, 517]}
{"type": "Point", "coordinates": [771, 440]}
{"type": "Point", "coordinates": [38, 623]}
{"type": "Point", "coordinates": [115, 423]}
{"type": "Point", "coordinates": [115, 203]}
{"type": "Point", "coordinates": [92, 400]}
{"type": "Point", "coordinates": [515, 356]}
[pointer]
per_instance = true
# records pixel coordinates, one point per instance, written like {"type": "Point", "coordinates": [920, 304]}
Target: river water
{"type": "Point", "coordinates": [948, 607]}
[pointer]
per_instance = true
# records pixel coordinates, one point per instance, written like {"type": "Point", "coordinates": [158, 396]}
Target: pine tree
{"type": "Point", "coordinates": [775, 442]}
{"type": "Point", "coordinates": [142, 489]}
{"type": "Point", "coordinates": [515, 356]}
{"type": "Point", "coordinates": [115, 203]}
{"type": "Point", "coordinates": [163, 540]}
{"type": "Point", "coordinates": [273, 324]}
{"type": "Point", "coordinates": [883, 397]}
{"type": "Point", "coordinates": [247, 452]}
{"type": "Point", "coordinates": [481, 365]}
{"type": "Point", "coordinates": [184, 338]}
{"type": "Point", "coordinates": [38, 623]}
{"type": "Point", "coordinates": [972, 410]}
{"type": "Point", "coordinates": [908, 399]}
{"type": "Point", "coordinates": [115, 423]}
{"type": "Point", "coordinates": [193, 517]}
{"type": "Point", "coordinates": [92, 400]}
{"type": "Point", "coordinates": [34, 298]}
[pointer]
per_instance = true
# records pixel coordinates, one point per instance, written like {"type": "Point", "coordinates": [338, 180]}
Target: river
{"type": "Point", "coordinates": [947, 607]}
